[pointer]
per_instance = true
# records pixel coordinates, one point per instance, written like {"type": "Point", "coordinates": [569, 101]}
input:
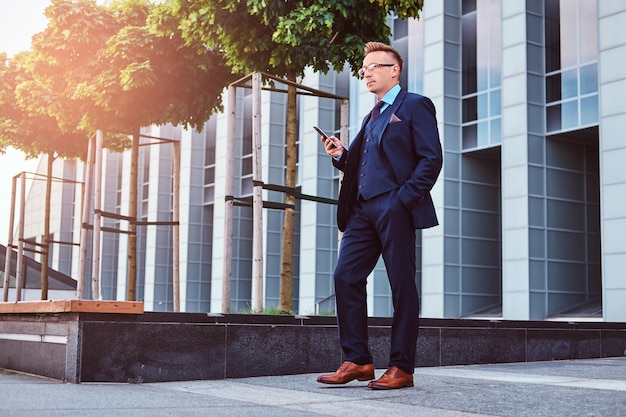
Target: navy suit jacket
{"type": "Point", "coordinates": [411, 149]}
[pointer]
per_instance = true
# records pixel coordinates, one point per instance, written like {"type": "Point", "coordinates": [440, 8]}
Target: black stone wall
{"type": "Point", "coordinates": [156, 347]}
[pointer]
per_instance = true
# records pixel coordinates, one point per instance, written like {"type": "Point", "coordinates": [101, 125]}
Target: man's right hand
{"type": "Point", "coordinates": [333, 146]}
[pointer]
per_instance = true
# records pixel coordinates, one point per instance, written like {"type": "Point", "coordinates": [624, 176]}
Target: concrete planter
{"type": "Point", "coordinates": [77, 346]}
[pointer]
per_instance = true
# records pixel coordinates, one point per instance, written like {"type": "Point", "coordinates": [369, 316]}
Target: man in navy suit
{"type": "Point", "coordinates": [389, 170]}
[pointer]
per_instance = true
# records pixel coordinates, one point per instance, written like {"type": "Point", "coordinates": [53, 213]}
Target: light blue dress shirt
{"type": "Point", "coordinates": [390, 97]}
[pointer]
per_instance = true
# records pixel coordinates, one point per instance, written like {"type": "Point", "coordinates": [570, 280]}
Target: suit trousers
{"type": "Point", "coordinates": [379, 225]}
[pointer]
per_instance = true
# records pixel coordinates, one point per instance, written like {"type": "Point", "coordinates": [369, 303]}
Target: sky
{"type": "Point", "coordinates": [19, 21]}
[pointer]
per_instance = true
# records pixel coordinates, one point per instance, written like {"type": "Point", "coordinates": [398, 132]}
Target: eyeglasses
{"type": "Point", "coordinates": [372, 67]}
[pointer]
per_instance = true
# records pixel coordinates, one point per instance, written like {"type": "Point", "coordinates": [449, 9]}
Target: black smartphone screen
{"type": "Point", "coordinates": [321, 132]}
{"type": "Point", "coordinates": [324, 135]}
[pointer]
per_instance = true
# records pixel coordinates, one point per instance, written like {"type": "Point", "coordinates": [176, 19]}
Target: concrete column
{"type": "Point", "coordinates": [612, 108]}
{"type": "Point", "coordinates": [515, 214]}
{"type": "Point", "coordinates": [219, 210]}
{"type": "Point", "coordinates": [432, 291]}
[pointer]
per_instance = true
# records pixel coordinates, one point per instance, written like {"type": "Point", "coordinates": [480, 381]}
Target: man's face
{"type": "Point", "coordinates": [380, 79]}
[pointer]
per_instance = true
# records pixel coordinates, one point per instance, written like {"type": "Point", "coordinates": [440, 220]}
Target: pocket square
{"type": "Point", "coordinates": [394, 118]}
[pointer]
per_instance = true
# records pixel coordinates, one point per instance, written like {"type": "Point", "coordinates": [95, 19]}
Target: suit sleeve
{"type": "Point", "coordinates": [425, 138]}
{"type": "Point", "coordinates": [340, 163]}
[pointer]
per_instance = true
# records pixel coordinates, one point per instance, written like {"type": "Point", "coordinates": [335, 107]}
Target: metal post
{"type": "Point", "coordinates": [229, 188]}
{"type": "Point", "coordinates": [9, 251]}
{"type": "Point", "coordinates": [19, 275]}
{"type": "Point", "coordinates": [176, 227]}
{"type": "Point", "coordinates": [84, 231]}
{"type": "Point", "coordinates": [257, 197]}
{"type": "Point", "coordinates": [97, 218]}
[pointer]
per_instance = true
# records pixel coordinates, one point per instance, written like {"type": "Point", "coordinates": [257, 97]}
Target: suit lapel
{"type": "Point", "coordinates": [386, 115]}
{"type": "Point", "coordinates": [383, 120]}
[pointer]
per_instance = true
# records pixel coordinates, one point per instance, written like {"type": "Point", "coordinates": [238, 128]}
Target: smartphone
{"type": "Point", "coordinates": [324, 135]}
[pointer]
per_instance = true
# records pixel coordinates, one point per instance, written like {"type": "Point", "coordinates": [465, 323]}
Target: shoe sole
{"type": "Point", "coordinates": [359, 378]}
{"type": "Point", "coordinates": [384, 387]}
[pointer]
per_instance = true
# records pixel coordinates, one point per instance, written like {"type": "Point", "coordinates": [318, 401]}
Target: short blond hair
{"type": "Point", "coordinates": [379, 46]}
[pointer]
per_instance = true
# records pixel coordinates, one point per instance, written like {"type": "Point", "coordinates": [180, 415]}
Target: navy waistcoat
{"type": "Point", "coordinates": [375, 176]}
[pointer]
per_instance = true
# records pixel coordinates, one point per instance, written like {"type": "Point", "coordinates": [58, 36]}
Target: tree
{"type": "Point", "coordinates": [282, 38]}
{"type": "Point", "coordinates": [110, 67]}
{"type": "Point", "coordinates": [26, 125]}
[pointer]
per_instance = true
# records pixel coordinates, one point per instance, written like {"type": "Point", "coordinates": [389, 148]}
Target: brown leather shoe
{"type": "Point", "coordinates": [349, 371]}
{"type": "Point", "coordinates": [393, 378]}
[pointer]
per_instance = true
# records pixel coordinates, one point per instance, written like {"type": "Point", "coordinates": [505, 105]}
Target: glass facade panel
{"type": "Point", "coordinates": [496, 131]}
{"type": "Point", "coordinates": [553, 118]}
{"type": "Point", "coordinates": [552, 36]}
{"type": "Point", "coordinates": [495, 104]}
{"type": "Point", "coordinates": [483, 134]}
{"type": "Point", "coordinates": [589, 79]}
{"type": "Point", "coordinates": [481, 56]}
{"type": "Point", "coordinates": [569, 84]}
{"type": "Point", "coordinates": [482, 50]}
{"type": "Point", "coordinates": [469, 136]}
{"type": "Point", "coordinates": [571, 67]}
{"type": "Point", "coordinates": [470, 109]}
{"type": "Point", "coordinates": [481, 233]}
{"type": "Point", "coordinates": [495, 45]}
{"type": "Point", "coordinates": [468, 6]}
{"type": "Point", "coordinates": [589, 34]}
{"type": "Point", "coordinates": [400, 29]}
{"type": "Point", "coordinates": [483, 106]}
{"type": "Point", "coordinates": [569, 115]}
{"type": "Point", "coordinates": [468, 23]}
{"type": "Point", "coordinates": [589, 111]}
{"type": "Point", "coordinates": [569, 47]}
{"type": "Point", "coordinates": [553, 88]}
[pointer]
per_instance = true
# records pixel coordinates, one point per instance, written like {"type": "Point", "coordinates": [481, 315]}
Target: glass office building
{"type": "Point", "coordinates": [531, 198]}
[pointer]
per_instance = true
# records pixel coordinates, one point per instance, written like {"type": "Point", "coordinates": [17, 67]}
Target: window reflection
{"type": "Point", "coordinates": [469, 53]}
{"type": "Point", "coordinates": [569, 114]}
{"type": "Point", "coordinates": [483, 134]}
{"type": "Point", "coordinates": [496, 130]}
{"type": "Point", "coordinates": [569, 83]}
{"type": "Point", "coordinates": [553, 118]}
{"type": "Point", "coordinates": [571, 63]}
{"type": "Point", "coordinates": [469, 136]}
{"type": "Point", "coordinates": [481, 77]}
{"type": "Point", "coordinates": [568, 33]}
{"type": "Point", "coordinates": [589, 79]}
{"type": "Point", "coordinates": [553, 88]}
{"type": "Point", "coordinates": [589, 110]}
{"type": "Point", "coordinates": [495, 105]}
{"type": "Point", "coordinates": [470, 110]}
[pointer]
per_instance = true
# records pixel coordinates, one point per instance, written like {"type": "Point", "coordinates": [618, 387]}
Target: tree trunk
{"type": "Point", "coordinates": [45, 249]}
{"type": "Point", "coordinates": [131, 288]}
{"type": "Point", "coordinates": [286, 270]}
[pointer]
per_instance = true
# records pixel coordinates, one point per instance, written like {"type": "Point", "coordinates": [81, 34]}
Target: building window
{"type": "Point", "coordinates": [246, 146]}
{"type": "Point", "coordinates": [571, 65]}
{"type": "Point", "coordinates": [481, 77]}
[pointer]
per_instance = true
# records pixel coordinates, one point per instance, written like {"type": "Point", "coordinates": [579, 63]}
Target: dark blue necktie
{"type": "Point", "coordinates": [376, 110]}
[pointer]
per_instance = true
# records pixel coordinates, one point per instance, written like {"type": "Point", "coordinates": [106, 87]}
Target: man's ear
{"type": "Point", "coordinates": [396, 71]}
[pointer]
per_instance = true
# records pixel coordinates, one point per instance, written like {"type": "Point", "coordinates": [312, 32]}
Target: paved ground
{"type": "Point", "coordinates": [594, 387]}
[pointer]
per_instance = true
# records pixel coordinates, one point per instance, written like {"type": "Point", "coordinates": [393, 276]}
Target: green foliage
{"type": "Point", "coordinates": [283, 37]}
{"type": "Point", "coordinates": [24, 121]}
{"type": "Point", "coordinates": [111, 67]}
{"type": "Point", "coordinates": [108, 67]}
{"type": "Point", "coordinates": [152, 77]}
{"type": "Point", "coordinates": [271, 310]}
